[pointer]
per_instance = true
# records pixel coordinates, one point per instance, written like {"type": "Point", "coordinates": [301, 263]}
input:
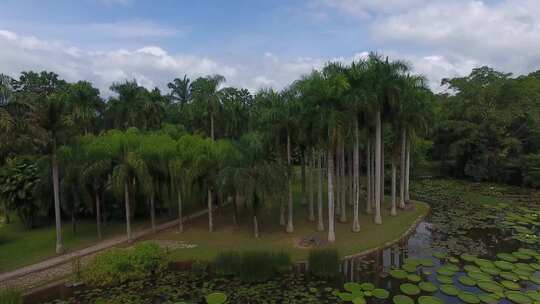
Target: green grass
{"type": "Point", "coordinates": [20, 247]}
{"type": "Point", "coordinates": [273, 237]}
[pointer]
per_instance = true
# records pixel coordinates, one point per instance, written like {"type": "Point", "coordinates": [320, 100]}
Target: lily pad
{"type": "Point", "coordinates": [467, 281]}
{"type": "Point", "coordinates": [427, 286]}
{"type": "Point", "coordinates": [510, 285]}
{"type": "Point", "coordinates": [216, 298]}
{"type": "Point", "coordinates": [518, 297]}
{"type": "Point", "coordinates": [507, 257]}
{"type": "Point", "coordinates": [444, 279]}
{"type": "Point", "coordinates": [468, 297]}
{"type": "Point", "coordinates": [398, 274]}
{"type": "Point", "coordinates": [409, 289]}
{"type": "Point", "coordinates": [504, 265]}
{"type": "Point", "coordinates": [429, 300]}
{"type": "Point", "coordinates": [380, 293]}
{"type": "Point", "coordinates": [367, 286]}
{"type": "Point", "coordinates": [450, 290]}
{"type": "Point", "coordinates": [490, 286]}
{"type": "Point", "coordinates": [488, 298]}
{"type": "Point", "coordinates": [352, 287]}
{"type": "Point", "coordinates": [402, 299]}
{"type": "Point", "coordinates": [414, 278]}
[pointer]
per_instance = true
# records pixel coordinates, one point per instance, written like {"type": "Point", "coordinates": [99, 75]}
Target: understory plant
{"type": "Point", "coordinates": [117, 266]}
{"type": "Point", "coordinates": [324, 263]}
{"type": "Point", "coordinates": [10, 296]}
{"type": "Point", "coordinates": [252, 266]}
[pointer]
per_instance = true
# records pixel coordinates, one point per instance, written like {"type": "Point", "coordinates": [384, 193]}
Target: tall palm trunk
{"type": "Point", "coordinates": [311, 187]}
{"type": "Point", "coordinates": [337, 182]}
{"type": "Point", "coordinates": [394, 169]}
{"type": "Point", "coordinates": [331, 233]}
{"type": "Point", "coordinates": [282, 220]}
{"type": "Point", "coordinates": [378, 162]}
{"type": "Point", "coordinates": [180, 215]}
{"type": "Point", "coordinates": [402, 168]}
{"type": "Point", "coordinates": [255, 226]}
{"type": "Point", "coordinates": [368, 175]}
{"type": "Point", "coordinates": [56, 190]}
{"type": "Point", "coordinates": [382, 171]}
{"type": "Point", "coordinates": [320, 225]}
{"type": "Point", "coordinates": [210, 215]}
{"type": "Point", "coordinates": [98, 216]}
{"type": "Point", "coordinates": [290, 226]}
{"type": "Point", "coordinates": [212, 126]}
{"type": "Point", "coordinates": [153, 212]}
{"type": "Point", "coordinates": [303, 199]}
{"type": "Point", "coordinates": [356, 179]}
{"type": "Point", "coordinates": [128, 212]}
{"type": "Point", "coordinates": [343, 189]}
{"type": "Point", "coordinates": [407, 171]}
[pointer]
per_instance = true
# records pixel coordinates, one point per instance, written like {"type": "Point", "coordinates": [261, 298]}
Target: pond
{"type": "Point", "coordinates": [462, 252]}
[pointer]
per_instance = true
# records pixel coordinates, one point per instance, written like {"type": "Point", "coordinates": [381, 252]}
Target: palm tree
{"type": "Point", "coordinates": [129, 169]}
{"type": "Point", "coordinates": [206, 92]}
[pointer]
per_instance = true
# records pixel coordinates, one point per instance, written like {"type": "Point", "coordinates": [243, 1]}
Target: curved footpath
{"type": "Point", "coordinates": [54, 269]}
{"type": "Point", "coordinates": [38, 274]}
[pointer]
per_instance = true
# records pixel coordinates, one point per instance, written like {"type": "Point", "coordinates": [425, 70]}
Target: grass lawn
{"type": "Point", "coordinates": [20, 247]}
{"type": "Point", "coordinates": [274, 238]}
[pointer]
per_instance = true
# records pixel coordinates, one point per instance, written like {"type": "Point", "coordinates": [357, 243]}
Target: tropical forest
{"type": "Point", "coordinates": [359, 181]}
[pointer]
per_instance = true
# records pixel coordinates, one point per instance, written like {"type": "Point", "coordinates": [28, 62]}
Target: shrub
{"type": "Point", "coordinates": [117, 266]}
{"type": "Point", "coordinates": [324, 263]}
{"type": "Point", "coordinates": [252, 266]}
{"type": "Point", "coordinates": [199, 268]}
{"type": "Point", "coordinates": [228, 263]}
{"type": "Point", "coordinates": [10, 296]}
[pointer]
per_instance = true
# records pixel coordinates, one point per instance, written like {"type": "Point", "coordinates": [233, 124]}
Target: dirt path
{"type": "Point", "coordinates": [58, 267]}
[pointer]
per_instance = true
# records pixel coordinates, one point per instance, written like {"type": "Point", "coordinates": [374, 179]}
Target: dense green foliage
{"type": "Point", "coordinates": [324, 263]}
{"type": "Point", "coordinates": [489, 127]}
{"type": "Point", "coordinates": [117, 266]}
{"type": "Point", "coordinates": [252, 266]}
{"type": "Point", "coordinates": [19, 181]}
{"type": "Point", "coordinates": [10, 296]}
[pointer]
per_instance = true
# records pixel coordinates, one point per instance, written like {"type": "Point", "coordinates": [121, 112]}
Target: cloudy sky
{"type": "Point", "coordinates": [260, 43]}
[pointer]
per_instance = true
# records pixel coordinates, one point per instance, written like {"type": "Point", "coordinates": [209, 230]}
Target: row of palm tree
{"type": "Point", "coordinates": [324, 122]}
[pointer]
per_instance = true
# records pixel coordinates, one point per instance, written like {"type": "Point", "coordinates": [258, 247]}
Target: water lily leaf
{"type": "Point", "coordinates": [409, 289]}
{"type": "Point", "coordinates": [429, 300]}
{"type": "Point", "coordinates": [427, 287]}
{"type": "Point", "coordinates": [402, 299]}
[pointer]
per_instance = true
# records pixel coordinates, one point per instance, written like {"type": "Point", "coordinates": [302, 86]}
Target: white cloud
{"type": "Point", "coordinates": [447, 38]}
{"type": "Point", "coordinates": [150, 65]}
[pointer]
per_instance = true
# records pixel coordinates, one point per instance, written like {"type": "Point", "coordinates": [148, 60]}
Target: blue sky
{"type": "Point", "coordinates": [257, 43]}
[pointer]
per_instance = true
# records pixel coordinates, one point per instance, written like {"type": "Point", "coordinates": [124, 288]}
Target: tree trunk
{"type": "Point", "coordinates": [152, 212]}
{"type": "Point", "coordinates": [337, 182]}
{"type": "Point", "coordinates": [343, 214]}
{"type": "Point", "coordinates": [303, 200]}
{"type": "Point", "coordinates": [98, 216]}
{"type": "Point", "coordinates": [73, 223]}
{"type": "Point", "coordinates": [330, 161]}
{"type": "Point", "coordinates": [255, 226]}
{"type": "Point", "coordinates": [356, 179]}
{"type": "Point", "coordinates": [282, 220]}
{"type": "Point", "coordinates": [235, 205]}
{"type": "Point", "coordinates": [6, 214]}
{"type": "Point", "coordinates": [378, 162]}
{"type": "Point", "coordinates": [210, 217]}
{"type": "Point", "coordinates": [382, 171]}
{"type": "Point", "coordinates": [407, 172]}
{"type": "Point", "coordinates": [311, 187]}
{"type": "Point", "coordinates": [57, 214]}
{"type": "Point", "coordinates": [320, 224]}
{"type": "Point", "coordinates": [180, 213]}
{"type": "Point", "coordinates": [368, 175]}
{"type": "Point", "coordinates": [212, 126]}
{"type": "Point", "coordinates": [128, 212]}
{"type": "Point", "coordinates": [402, 169]}
{"type": "Point", "coordinates": [394, 169]}
{"type": "Point", "coordinates": [290, 226]}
